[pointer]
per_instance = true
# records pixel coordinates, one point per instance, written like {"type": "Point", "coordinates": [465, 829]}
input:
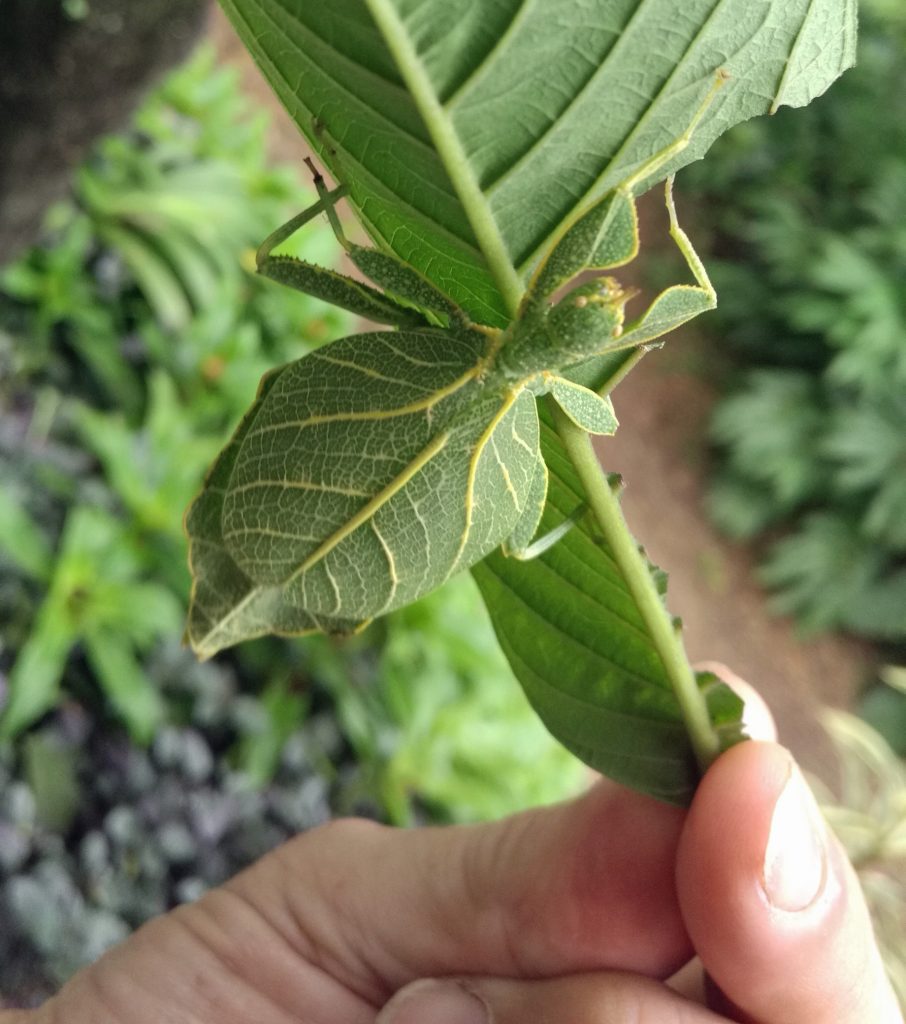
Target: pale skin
{"type": "Point", "coordinates": [573, 913]}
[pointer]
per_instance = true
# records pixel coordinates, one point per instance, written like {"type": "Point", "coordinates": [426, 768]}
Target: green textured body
{"type": "Point", "coordinates": [371, 470]}
{"type": "Point", "coordinates": [398, 465]}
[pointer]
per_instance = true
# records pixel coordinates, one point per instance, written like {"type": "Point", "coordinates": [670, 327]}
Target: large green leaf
{"type": "Point", "coordinates": [576, 641]}
{"type": "Point", "coordinates": [468, 131]}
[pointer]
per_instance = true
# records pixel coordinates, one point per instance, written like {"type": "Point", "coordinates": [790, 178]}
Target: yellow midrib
{"type": "Point", "coordinates": [452, 154]}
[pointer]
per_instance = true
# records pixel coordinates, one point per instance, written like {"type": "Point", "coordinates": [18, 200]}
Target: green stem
{"type": "Point", "coordinates": [633, 565]}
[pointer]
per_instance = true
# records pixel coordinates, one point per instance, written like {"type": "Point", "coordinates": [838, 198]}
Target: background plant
{"type": "Point", "coordinates": [95, 365]}
{"type": "Point", "coordinates": [812, 435]}
{"type": "Point", "coordinates": [869, 816]}
{"type": "Point", "coordinates": [151, 374]}
{"type": "Point", "coordinates": [810, 342]}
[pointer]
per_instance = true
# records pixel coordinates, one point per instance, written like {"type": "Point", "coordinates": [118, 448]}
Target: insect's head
{"type": "Point", "coordinates": [589, 318]}
{"type": "Point", "coordinates": [603, 291]}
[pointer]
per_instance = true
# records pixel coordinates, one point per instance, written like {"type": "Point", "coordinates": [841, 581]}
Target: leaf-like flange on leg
{"type": "Point", "coordinates": [586, 409]}
{"type": "Point", "coordinates": [680, 303]}
{"type": "Point", "coordinates": [339, 290]}
{"type": "Point", "coordinates": [671, 309]}
{"type": "Point", "coordinates": [403, 283]}
{"type": "Point", "coordinates": [227, 606]}
{"type": "Point", "coordinates": [605, 237]}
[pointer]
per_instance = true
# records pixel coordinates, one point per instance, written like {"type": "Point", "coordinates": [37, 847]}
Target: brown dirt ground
{"type": "Point", "coordinates": [662, 452]}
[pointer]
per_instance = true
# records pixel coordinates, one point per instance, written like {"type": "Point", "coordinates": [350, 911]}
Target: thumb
{"type": "Point", "coordinates": [771, 904]}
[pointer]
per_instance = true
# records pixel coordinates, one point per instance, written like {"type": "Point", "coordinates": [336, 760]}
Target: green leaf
{"type": "Point", "coordinates": [154, 485]}
{"type": "Point", "coordinates": [456, 125]}
{"type": "Point", "coordinates": [826, 37]}
{"type": "Point", "coordinates": [50, 770]}
{"type": "Point", "coordinates": [154, 275]}
{"type": "Point", "coordinates": [227, 605]}
{"type": "Point", "coordinates": [94, 595]}
{"type": "Point", "coordinates": [825, 572]}
{"type": "Point", "coordinates": [35, 677]}
{"type": "Point", "coordinates": [258, 754]}
{"type": "Point", "coordinates": [129, 690]}
{"type": "Point", "coordinates": [577, 643]}
{"type": "Point", "coordinates": [21, 541]}
{"type": "Point", "coordinates": [468, 136]}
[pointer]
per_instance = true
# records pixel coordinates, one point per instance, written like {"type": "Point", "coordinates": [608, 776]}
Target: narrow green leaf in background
{"type": "Point", "coordinates": [96, 596]}
{"type": "Point", "coordinates": [130, 691]}
{"type": "Point", "coordinates": [20, 540]}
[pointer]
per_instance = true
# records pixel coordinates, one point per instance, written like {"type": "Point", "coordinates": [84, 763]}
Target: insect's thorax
{"type": "Point", "coordinates": [586, 322]}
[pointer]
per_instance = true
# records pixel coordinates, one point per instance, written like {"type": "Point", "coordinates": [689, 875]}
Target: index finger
{"type": "Point", "coordinates": [583, 885]}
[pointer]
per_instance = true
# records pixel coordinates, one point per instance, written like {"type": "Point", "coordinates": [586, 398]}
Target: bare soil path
{"type": "Point", "coordinates": [661, 450]}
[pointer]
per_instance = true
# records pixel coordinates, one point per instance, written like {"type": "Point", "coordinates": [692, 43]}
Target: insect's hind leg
{"type": "Point", "coordinates": [327, 200]}
{"type": "Point", "coordinates": [654, 163]}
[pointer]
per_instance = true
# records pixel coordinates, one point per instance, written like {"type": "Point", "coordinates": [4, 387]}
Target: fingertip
{"type": "Point", "coordinates": [769, 900]}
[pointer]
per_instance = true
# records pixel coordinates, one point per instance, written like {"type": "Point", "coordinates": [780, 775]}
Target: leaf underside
{"type": "Point", "coordinates": [576, 641]}
{"type": "Point", "coordinates": [455, 126]}
{"type": "Point", "coordinates": [455, 123]}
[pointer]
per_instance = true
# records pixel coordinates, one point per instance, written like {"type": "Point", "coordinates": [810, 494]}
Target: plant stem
{"type": "Point", "coordinates": [633, 565]}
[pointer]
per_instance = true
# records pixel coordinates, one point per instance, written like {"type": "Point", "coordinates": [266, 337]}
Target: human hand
{"type": "Point", "coordinates": [571, 913]}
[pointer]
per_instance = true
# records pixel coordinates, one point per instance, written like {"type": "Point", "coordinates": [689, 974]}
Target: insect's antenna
{"type": "Point", "coordinates": [679, 144]}
{"type": "Point", "coordinates": [329, 199]}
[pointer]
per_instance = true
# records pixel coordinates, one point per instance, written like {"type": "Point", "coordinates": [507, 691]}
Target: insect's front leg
{"type": "Point", "coordinates": [404, 286]}
{"type": "Point", "coordinates": [606, 235]}
{"type": "Point", "coordinates": [321, 282]}
{"type": "Point", "coordinates": [326, 201]}
{"type": "Point", "coordinates": [679, 303]}
{"type": "Point", "coordinates": [340, 290]}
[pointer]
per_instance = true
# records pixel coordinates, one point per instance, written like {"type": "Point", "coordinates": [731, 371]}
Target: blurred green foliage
{"type": "Point", "coordinates": [75, 10]}
{"type": "Point", "coordinates": [883, 706]}
{"type": "Point", "coordinates": [442, 718]}
{"type": "Point", "coordinates": [132, 339]}
{"type": "Point", "coordinates": [869, 817]}
{"type": "Point", "coordinates": [808, 219]}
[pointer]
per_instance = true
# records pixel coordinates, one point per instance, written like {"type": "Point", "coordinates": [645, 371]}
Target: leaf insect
{"type": "Point", "coordinates": [372, 469]}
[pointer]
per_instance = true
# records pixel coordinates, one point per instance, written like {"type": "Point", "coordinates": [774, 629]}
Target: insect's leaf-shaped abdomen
{"type": "Point", "coordinates": [374, 468]}
{"type": "Point", "coordinates": [227, 606]}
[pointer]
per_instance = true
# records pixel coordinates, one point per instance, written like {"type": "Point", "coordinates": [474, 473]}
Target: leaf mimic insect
{"type": "Point", "coordinates": [370, 470]}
